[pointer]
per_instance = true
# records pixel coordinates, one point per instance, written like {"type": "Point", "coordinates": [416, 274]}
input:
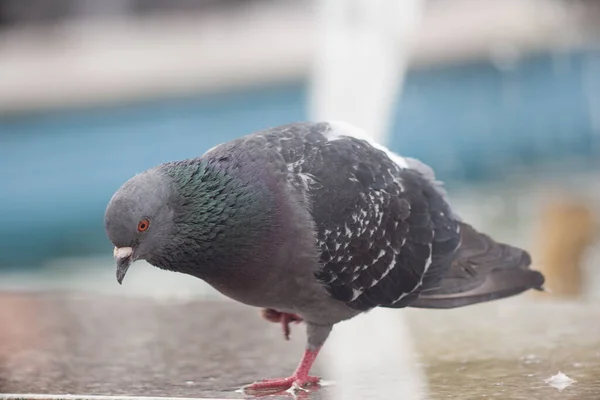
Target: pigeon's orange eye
{"type": "Point", "coordinates": [143, 225]}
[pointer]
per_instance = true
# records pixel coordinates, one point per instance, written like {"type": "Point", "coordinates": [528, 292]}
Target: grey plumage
{"type": "Point", "coordinates": [482, 270]}
{"type": "Point", "coordinates": [306, 218]}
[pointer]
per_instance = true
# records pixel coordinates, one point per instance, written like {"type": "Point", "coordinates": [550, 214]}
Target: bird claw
{"type": "Point", "coordinates": [280, 317]}
{"type": "Point", "coordinates": [296, 388]}
{"type": "Point", "coordinates": [292, 384]}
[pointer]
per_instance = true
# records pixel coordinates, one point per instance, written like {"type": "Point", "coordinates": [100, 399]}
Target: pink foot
{"type": "Point", "coordinates": [283, 384]}
{"type": "Point", "coordinates": [299, 380]}
{"type": "Point", "coordinates": [283, 318]}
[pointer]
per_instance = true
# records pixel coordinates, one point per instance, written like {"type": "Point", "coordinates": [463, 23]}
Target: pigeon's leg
{"type": "Point", "coordinates": [283, 318]}
{"type": "Point", "coordinates": [300, 378]}
{"type": "Point", "coordinates": [317, 334]}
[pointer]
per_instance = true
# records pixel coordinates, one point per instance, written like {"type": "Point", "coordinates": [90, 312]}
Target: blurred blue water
{"type": "Point", "coordinates": [475, 122]}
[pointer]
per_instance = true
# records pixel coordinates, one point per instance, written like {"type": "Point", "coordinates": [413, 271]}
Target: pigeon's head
{"type": "Point", "coordinates": [139, 218]}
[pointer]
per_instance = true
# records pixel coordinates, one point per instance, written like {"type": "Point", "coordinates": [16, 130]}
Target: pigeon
{"type": "Point", "coordinates": [312, 222]}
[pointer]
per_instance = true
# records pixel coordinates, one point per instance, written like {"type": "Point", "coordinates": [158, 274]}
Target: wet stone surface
{"type": "Point", "coordinates": [118, 346]}
{"type": "Point", "coordinates": [67, 343]}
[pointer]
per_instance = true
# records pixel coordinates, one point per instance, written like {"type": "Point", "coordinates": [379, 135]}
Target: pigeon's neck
{"type": "Point", "coordinates": [224, 223]}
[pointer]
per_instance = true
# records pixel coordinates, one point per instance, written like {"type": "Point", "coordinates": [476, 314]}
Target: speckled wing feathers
{"type": "Point", "coordinates": [384, 232]}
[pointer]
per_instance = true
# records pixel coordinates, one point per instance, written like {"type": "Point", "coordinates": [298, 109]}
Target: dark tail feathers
{"type": "Point", "coordinates": [482, 270]}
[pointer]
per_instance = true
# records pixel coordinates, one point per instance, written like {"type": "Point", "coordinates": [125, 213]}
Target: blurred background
{"type": "Point", "coordinates": [500, 97]}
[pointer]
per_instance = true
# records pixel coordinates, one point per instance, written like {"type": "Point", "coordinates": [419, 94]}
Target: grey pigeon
{"type": "Point", "coordinates": [311, 222]}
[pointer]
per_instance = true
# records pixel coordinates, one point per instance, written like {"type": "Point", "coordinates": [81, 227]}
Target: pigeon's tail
{"type": "Point", "coordinates": [482, 270]}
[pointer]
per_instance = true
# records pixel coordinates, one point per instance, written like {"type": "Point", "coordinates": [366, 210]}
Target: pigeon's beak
{"type": "Point", "coordinates": [124, 258]}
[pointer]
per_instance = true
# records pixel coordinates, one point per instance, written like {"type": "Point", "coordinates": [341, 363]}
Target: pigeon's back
{"type": "Point", "coordinates": [384, 230]}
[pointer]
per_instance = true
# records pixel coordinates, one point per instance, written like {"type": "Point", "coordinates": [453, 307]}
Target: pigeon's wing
{"type": "Point", "coordinates": [384, 235]}
{"type": "Point", "coordinates": [384, 230]}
